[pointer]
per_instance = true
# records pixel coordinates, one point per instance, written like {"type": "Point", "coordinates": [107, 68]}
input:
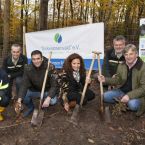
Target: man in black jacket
{"type": "Point", "coordinates": [14, 66]}
{"type": "Point", "coordinates": [32, 83]}
{"type": "Point", "coordinates": [114, 57]}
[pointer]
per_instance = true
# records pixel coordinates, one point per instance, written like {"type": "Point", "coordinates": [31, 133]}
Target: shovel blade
{"type": "Point", "coordinates": [37, 117]}
{"type": "Point", "coordinates": [34, 117]}
{"type": "Point", "coordinates": [40, 117]}
{"type": "Point", "coordinates": [105, 115]}
{"type": "Point", "coordinates": [101, 115]}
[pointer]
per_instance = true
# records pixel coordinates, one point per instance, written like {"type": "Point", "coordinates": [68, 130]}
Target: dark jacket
{"type": "Point", "coordinates": [33, 79]}
{"type": "Point", "coordinates": [4, 81]}
{"type": "Point", "coordinates": [111, 63]}
{"type": "Point", "coordinates": [4, 88]}
{"type": "Point", "coordinates": [69, 84]}
{"type": "Point", "coordinates": [138, 79]}
{"type": "Point", "coordinates": [15, 70]}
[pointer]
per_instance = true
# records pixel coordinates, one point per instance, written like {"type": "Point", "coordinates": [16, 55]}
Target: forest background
{"type": "Point", "coordinates": [121, 17]}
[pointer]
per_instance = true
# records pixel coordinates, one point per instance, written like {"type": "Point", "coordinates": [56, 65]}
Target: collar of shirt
{"type": "Point", "coordinates": [118, 55]}
{"type": "Point", "coordinates": [15, 60]}
{"type": "Point", "coordinates": [130, 66]}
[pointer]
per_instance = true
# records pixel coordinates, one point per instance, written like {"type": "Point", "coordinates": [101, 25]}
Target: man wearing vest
{"type": "Point", "coordinates": [4, 92]}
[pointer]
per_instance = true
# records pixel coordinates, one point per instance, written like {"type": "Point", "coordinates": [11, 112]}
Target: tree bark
{"type": "Point", "coordinates": [6, 38]}
{"type": "Point", "coordinates": [22, 18]}
{"type": "Point", "coordinates": [1, 21]}
{"type": "Point", "coordinates": [58, 9]}
{"type": "Point", "coordinates": [43, 15]}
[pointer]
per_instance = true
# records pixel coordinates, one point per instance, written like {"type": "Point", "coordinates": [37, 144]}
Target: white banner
{"type": "Point", "coordinates": [142, 39]}
{"type": "Point", "coordinates": [82, 39]}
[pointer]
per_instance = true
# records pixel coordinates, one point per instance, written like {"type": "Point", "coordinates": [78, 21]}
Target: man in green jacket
{"type": "Point", "coordinates": [130, 79]}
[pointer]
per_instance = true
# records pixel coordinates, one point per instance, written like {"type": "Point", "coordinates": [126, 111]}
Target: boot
{"type": "Point", "coordinates": [141, 110]}
{"type": "Point", "coordinates": [1, 110]}
{"type": "Point", "coordinates": [74, 116]}
{"type": "Point", "coordinates": [72, 104]}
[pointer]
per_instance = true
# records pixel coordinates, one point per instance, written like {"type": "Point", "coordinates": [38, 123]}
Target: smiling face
{"type": "Point", "coordinates": [15, 51]}
{"type": "Point", "coordinates": [119, 45]}
{"type": "Point", "coordinates": [37, 60]}
{"type": "Point", "coordinates": [130, 56]}
{"type": "Point", "coordinates": [75, 64]}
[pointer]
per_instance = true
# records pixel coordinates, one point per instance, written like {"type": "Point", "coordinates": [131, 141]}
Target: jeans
{"type": "Point", "coordinates": [30, 94]}
{"type": "Point", "coordinates": [18, 83]}
{"type": "Point", "coordinates": [133, 104]}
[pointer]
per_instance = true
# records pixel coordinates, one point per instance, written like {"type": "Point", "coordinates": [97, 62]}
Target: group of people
{"type": "Point", "coordinates": [123, 78]}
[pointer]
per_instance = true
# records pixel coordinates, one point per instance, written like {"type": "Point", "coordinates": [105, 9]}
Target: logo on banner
{"type": "Point", "coordinates": [58, 38]}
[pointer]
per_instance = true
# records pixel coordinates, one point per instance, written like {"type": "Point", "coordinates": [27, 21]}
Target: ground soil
{"type": "Point", "coordinates": [125, 129]}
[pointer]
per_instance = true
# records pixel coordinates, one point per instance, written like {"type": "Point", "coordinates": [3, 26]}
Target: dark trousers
{"type": "Point", "coordinates": [18, 83]}
{"type": "Point", "coordinates": [4, 98]}
{"type": "Point", "coordinates": [76, 96]}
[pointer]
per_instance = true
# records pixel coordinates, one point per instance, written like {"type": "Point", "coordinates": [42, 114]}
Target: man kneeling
{"type": "Point", "coordinates": [33, 80]}
{"type": "Point", "coordinates": [4, 92]}
{"type": "Point", "coordinates": [130, 78]}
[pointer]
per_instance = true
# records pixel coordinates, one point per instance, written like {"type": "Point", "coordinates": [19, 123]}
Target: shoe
{"type": "Point", "coordinates": [28, 112]}
{"type": "Point", "coordinates": [141, 109]}
{"type": "Point", "coordinates": [72, 104]}
{"type": "Point", "coordinates": [1, 117]}
{"type": "Point", "coordinates": [2, 109]}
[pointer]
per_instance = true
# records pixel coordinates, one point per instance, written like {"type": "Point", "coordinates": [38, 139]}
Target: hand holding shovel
{"type": "Point", "coordinates": [88, 76]}
{"type": "Point", "coordinates": [101, 80]}
{"type": "Point", "coordinates": [74, 116]}
{"type": "Point", "coordinates": [38, 114]}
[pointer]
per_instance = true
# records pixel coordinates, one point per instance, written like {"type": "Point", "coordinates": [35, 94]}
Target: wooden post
{"type": "Point", "coordinates": [24, 40]}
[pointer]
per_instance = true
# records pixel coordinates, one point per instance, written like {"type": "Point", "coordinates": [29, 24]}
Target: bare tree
{"type": "Point", "coordinates": [35, 15]}
{"type": "Point", "coordinates": [43, 14]}
{"type": "Point", "coordinates": [58, 9]}
{"type": "Point", "coordinates": [53, 13]}
{"type": "Point", "coordinates": [0, 22]}
{"type": "Point", "coordinates": [22, 17]}
{"type": "Point", "coordinates": [6, 37]}
{"type": "Point", "coordinates": [71, 9]}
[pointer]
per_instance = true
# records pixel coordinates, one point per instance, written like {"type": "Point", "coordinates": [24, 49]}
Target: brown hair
{"type": "Point", "coordinates": [67, 67]}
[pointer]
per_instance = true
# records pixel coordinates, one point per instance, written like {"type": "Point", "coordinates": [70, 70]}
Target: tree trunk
{"type": "Point", "coordinates": [71, 9]}
{"type": "Point", "coordinates": [1, 21]}
{"type": "Point", "coordinates": [64, 10]}
{"type": "Point", "coordinates": [58, 9]}
{"type": "Point", "coordinates": [22, 19]}
{"type": "Point", "coordinates": [43, 15]}
{"type": "Point", "coordinates": [35, 16]}
{"type": "Point", "coordinates": [53, 13]}
{"type": "Point", "coordinates": [6, 38]}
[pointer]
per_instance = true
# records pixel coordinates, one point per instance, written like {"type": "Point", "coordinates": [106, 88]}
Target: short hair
{"type": "Point", "coordinates": [35, 52]}
{"type": "Point", "coordinates": [119, 38]}
{"type": "Point", "coordinates": [16, 45]}
{"type": "Point", "coordinates": [131, 47]}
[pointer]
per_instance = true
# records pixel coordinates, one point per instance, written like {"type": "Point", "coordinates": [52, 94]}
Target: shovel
{"type": "Point", "coordinates": [84, 91]}
{"type": "Point", "coordinates": [88, 76]}
{"type": "Point", "coordinates": [38, 114]}
{"type": "Point", "coordinates": [105, 115]}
